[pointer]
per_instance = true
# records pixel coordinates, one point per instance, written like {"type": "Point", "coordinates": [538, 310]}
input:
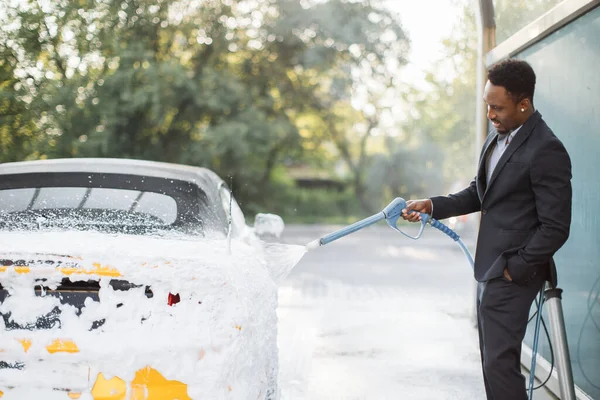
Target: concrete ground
{"type": "Point", "coordinates": [376, 315]}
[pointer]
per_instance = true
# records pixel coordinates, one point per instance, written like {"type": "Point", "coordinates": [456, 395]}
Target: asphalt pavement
{"type": "Point", "coordinates": [376, 315]}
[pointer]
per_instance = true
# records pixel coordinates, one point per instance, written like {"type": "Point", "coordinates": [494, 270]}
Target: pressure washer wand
{"type": "Point", "coordinates": [390, 213]}
{"type": "Point", "coordinates": [346, 231]}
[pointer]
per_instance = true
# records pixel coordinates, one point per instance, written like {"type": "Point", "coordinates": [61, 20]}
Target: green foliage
{"type": "Point", "coordinates": [221, 84]}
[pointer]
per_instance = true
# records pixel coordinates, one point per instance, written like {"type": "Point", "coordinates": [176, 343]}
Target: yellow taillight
{"type": "Point", "coordinates": [148, 384]}
{"type": "Point", "coordinates": [109, 389]}
{"type": "Point", "coordinates": [70, 270]}
{"type": "Point", "coordinates": [98, 269]}
{"type": "Point", "coordinates": [18, 269]}
{"type": "Point", "coordinates": [26, 343]}
{"type": "Point", "coordinates": [62, 346]}
{"type": "Point", "coordinates": [104, 270]}
{"type": "Point", "coordinates": [22, 270]}
{"type": "Point", "coordinates": [150, 381]}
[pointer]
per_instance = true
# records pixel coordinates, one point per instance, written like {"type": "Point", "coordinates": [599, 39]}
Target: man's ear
{"type": "Point", "coordinates": [525, 104]}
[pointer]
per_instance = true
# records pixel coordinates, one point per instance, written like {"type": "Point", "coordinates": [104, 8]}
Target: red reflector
{"type": "Point", "coordinates": [173, 299]}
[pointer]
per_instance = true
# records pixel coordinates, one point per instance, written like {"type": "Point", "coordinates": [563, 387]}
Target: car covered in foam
{"type": "Point", "coordinates": [127, 279]}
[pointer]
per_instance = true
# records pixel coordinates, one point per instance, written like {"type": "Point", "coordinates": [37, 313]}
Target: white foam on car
{"type": "Point", "coordinates": [220, 339]}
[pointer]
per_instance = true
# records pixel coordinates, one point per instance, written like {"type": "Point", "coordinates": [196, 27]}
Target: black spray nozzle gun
{"type": "Point", "coordinates": [391, 213]}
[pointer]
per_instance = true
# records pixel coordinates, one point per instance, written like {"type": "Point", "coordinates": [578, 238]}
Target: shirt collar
{"type": "Point", "coordinates": [511, 135]}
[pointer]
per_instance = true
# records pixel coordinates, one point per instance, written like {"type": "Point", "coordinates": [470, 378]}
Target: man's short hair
{"type": "Point", "coordinates": [516, 76]}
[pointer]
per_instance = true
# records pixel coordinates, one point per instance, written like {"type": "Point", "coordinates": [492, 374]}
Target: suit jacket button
{"type": "Point", "coordinates": [484, 212]}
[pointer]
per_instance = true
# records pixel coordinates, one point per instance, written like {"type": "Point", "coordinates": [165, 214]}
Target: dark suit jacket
{"type": "Point", "coordinates": [525, 209]}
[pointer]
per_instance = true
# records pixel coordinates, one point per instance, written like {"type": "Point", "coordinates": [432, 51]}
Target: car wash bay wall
{"type": "Point", "coordinates": [567, 64]}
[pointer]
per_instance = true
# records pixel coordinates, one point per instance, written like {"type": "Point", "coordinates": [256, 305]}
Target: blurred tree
{"type": "Point", "coordinates": [443, 116]}
{"type": "Point", "coordinates": [354, 49]}
{"type": "Point", "coordinates": [237, 86]}
{"type": "Point", "coordinates": [19, 137]}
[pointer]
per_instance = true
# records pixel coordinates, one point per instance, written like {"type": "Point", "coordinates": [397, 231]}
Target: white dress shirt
{"type": "Point", "coordinates": [502, 143]}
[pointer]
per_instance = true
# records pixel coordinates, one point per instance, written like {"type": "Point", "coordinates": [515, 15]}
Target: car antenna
{"type": "Point", "coordinates": [230, 212]}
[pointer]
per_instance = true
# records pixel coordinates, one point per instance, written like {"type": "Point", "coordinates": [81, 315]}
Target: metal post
{"type": "Point", "coordinates": [562, 359]}
{"type": "Point", "coordinates": [486, 42]}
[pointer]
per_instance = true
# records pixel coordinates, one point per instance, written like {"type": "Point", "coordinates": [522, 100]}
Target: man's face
{"type": "Point", "coordinates": [503, 112]}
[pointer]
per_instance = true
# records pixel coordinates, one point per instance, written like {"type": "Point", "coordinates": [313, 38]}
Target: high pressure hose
{"type": "Point", "coordinates": [454, 236]}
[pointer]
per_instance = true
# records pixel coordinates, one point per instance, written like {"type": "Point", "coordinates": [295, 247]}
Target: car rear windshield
{"type": "Point", "coordinates": [134, 205]}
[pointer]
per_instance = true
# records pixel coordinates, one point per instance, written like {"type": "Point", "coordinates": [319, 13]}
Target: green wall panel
{"type": "Point", "coordinates": [567, 64]}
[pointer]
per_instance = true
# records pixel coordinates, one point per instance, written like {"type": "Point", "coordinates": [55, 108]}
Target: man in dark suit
{"type": "Point", "coordinates": [523, 190]}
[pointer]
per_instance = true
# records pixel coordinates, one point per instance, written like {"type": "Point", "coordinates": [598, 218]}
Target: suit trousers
{"type": "Point", "coordinates": [502, 313]}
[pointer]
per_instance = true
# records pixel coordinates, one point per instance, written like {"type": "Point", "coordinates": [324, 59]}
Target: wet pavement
{"type": "Point", "coordinates": [376, 315]}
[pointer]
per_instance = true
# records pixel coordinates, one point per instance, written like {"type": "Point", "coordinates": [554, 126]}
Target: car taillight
{"type": "Point", "coordinates": [173, 299]}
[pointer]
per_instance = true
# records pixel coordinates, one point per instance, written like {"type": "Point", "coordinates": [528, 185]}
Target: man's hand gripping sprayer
{"type": "Point", "coordinates": [391, 214]}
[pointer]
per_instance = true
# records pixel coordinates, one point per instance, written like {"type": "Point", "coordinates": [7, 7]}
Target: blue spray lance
{"type": "Point", "coordinates": [391, 213]}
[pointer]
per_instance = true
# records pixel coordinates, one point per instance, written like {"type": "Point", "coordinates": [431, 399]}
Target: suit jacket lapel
{"type": "Point", "coordinates": [517, 141]}
{"type": "Point", "coordinates": [481, 176]}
